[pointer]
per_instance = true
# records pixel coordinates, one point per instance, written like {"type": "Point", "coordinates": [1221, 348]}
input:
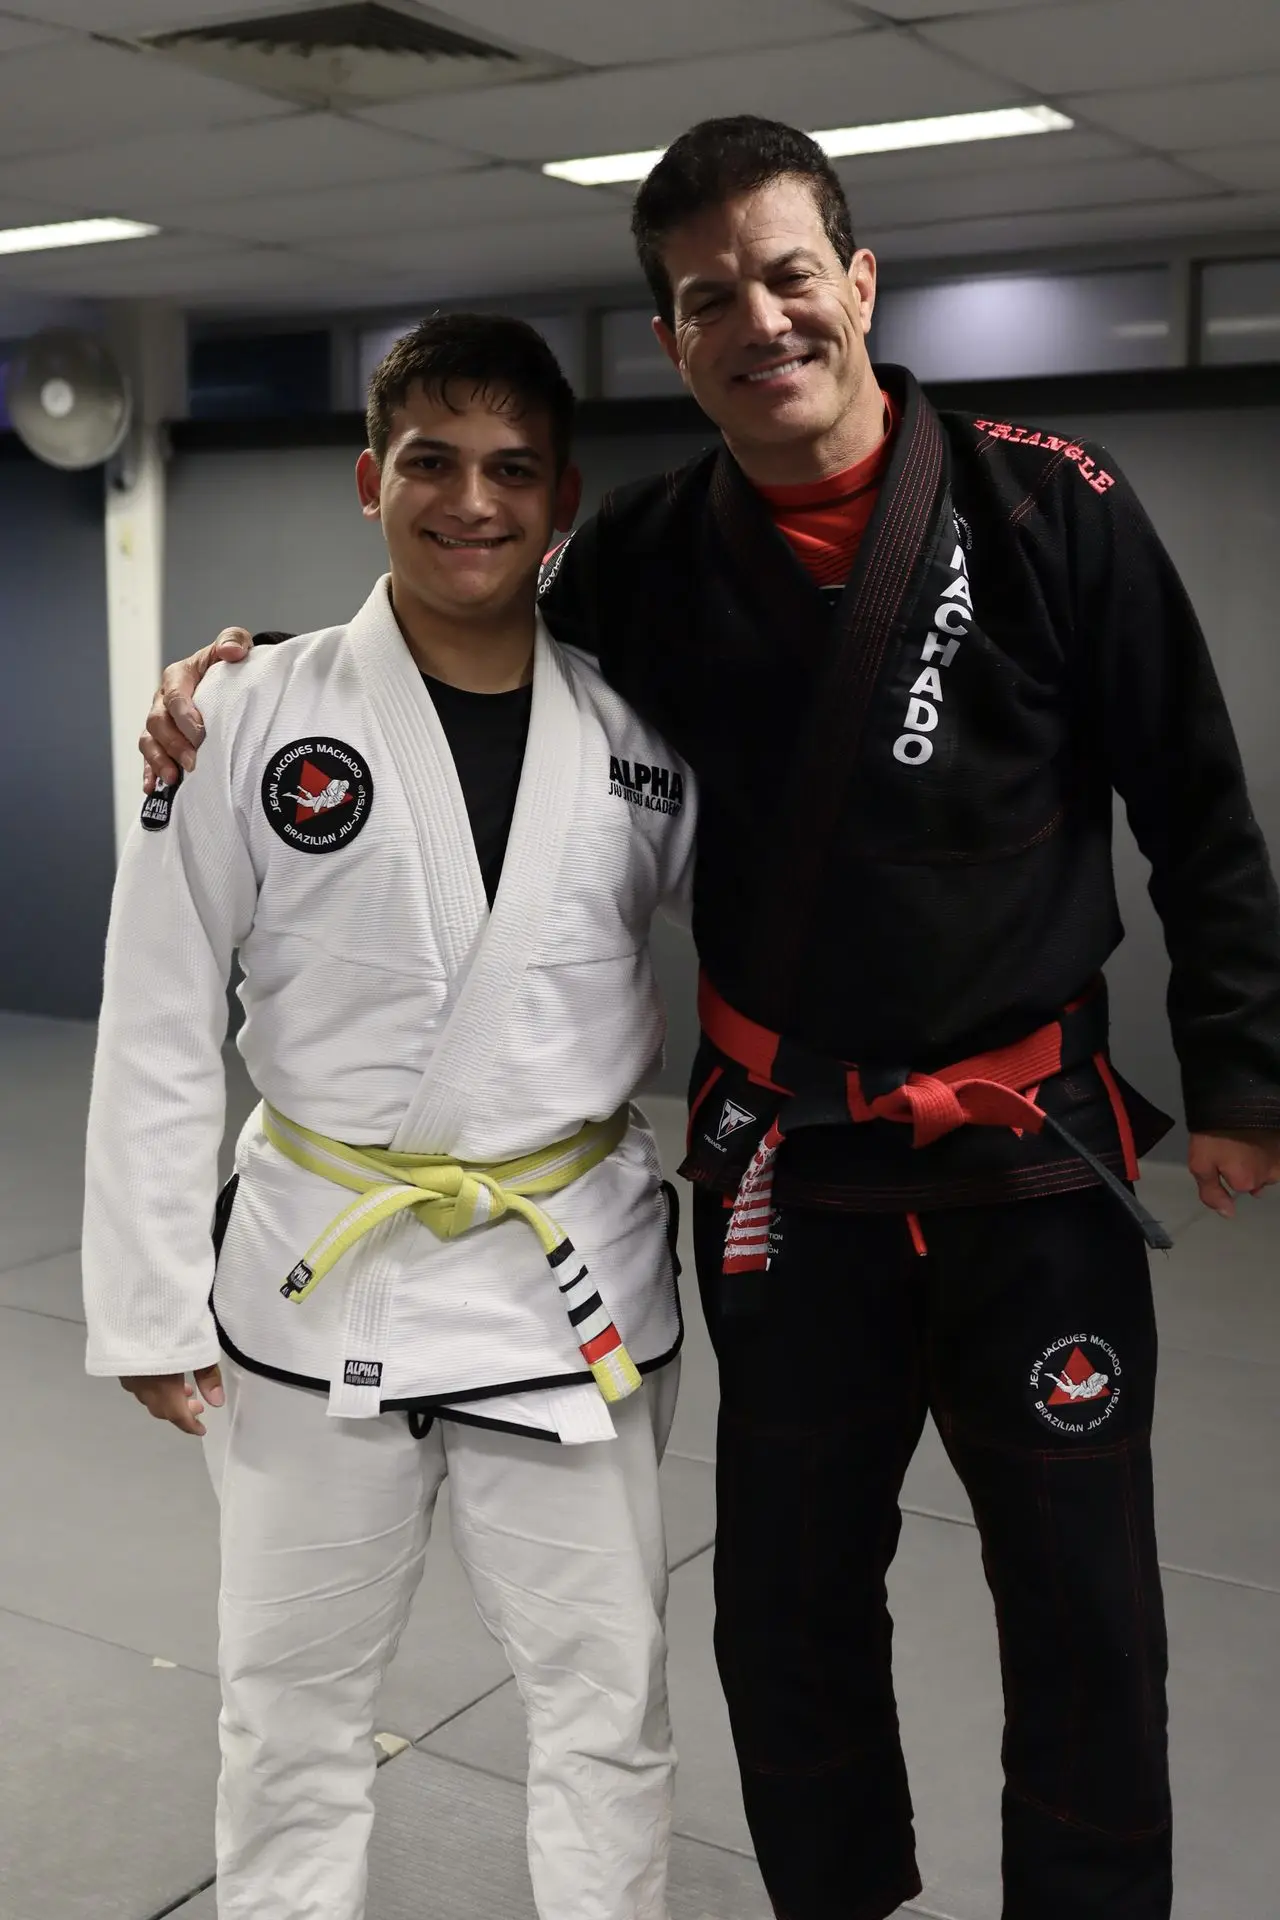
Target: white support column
{"type": "Point", "coordinates": [150, 341]}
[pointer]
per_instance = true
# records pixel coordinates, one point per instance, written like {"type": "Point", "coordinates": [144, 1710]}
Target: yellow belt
{"type": "Point", "coordinates": [450, 1197]}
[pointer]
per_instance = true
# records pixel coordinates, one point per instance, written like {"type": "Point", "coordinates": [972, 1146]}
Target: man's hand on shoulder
{"type": "Point", "coordinates": [1226, 1164]}
{"type": "Point", "coordinates": [174, 731]}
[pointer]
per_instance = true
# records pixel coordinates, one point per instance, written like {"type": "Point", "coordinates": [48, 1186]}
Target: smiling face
{"type": "Point", "coordinates": [468, 496]}
{"type": "Point", "coordinates": [770, 329]}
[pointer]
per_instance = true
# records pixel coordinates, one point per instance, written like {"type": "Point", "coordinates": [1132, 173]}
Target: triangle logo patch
{"type": "Point", "coordinates": [1079, 1381]}
{"type": "Point", "coordinates": [732, 1119]}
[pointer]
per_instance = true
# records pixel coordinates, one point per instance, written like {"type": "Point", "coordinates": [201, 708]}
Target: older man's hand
{"type": "Point", "coordinates": [1226, 1164]}
{"type": "Point", "coordinates": [174, 730]}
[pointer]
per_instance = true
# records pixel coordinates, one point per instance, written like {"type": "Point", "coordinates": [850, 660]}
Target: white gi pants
{"type": "Point", "coordinates": [324, 1530]}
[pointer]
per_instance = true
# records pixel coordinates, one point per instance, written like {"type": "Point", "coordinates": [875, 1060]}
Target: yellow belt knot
{"type": "Point", "coordinates": [450, 1197]}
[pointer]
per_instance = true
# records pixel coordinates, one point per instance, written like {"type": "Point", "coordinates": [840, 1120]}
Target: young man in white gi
{"type": "Point", "coordinates": [411, 831]}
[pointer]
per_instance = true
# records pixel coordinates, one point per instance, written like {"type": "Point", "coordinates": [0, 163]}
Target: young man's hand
{"type": "Point", "coordinates": [171, 1396]}
{"type": "Point", "coordinates": [1225, 1164]}
{"type": "Point", "coordinates": [174, 730]}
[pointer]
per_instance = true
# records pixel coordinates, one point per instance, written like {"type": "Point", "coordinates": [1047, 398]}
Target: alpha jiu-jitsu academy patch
{"type": "Point", "coordinates": [157, 808]}
{"type": "Point", "coordinates": [1074, 1386]}
{"type": "Point", "coordinates": [317, 794]}
{"type": "Point", "coordinates": [656, 789]}
{"type": "Point", "coordinates": [362, 1373]}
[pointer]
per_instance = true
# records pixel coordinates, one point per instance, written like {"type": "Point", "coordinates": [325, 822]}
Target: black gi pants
{"type": "Point", "coordinates": [1028, 1331]}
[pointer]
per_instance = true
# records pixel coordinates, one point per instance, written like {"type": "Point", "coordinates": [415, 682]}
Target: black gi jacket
{"type": "Point", "coordinates": [904, 854]}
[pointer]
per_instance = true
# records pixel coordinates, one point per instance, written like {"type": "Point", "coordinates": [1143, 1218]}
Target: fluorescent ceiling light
{"type": "Point", "coordinates": [71, 233]}
{"type": "Point", "coordinates": [607, 169]}
{"type": "Point", "coordinates": [839, 143]}
{"type": "Point", "coordinates": [948, 130]}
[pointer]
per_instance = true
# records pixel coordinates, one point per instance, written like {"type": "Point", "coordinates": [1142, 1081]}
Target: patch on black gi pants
{"type": "Point", "coordinates": [157, 808]}
{"type": "Point", "coordinates": [1074, 1385]}
{"type": "Point", "coordinates": [317, 794]}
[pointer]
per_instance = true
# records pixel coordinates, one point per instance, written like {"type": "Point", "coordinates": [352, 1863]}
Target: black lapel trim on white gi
{"type": "Point", "coordinates": [439, 1402]}
{"type": "Point", "coordinates": [877, 600]}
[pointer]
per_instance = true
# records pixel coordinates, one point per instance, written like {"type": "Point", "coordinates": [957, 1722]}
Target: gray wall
{"type": "Point", "coordinates": [56, 855]}
{"type": "Point", "coordinates": [265, 540]}
{"type": "Point", "coordinates": [1211, 483]}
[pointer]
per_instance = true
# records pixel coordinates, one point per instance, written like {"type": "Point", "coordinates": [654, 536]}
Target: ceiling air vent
{"type": "Point", "coordinates": [347, 55]}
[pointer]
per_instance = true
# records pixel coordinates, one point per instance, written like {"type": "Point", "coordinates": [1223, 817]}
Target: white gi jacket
{"type": "Point", "coordinates": [324, 835]}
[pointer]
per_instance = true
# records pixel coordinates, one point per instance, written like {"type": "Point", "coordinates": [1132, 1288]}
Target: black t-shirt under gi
{"type": "Point", "coordinates": [486, 734]}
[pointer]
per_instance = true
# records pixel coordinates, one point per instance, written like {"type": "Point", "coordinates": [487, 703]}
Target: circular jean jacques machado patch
{"type": "Point", "coordinates": [317, 794]}
{"type": "Point", "coordinates": [1074, 1385]}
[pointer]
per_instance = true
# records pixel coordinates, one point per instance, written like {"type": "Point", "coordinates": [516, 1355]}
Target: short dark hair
{"type": "Point", "coordinates": [716, 161]}
{"type": "Point", "coordinates": [485, 353]}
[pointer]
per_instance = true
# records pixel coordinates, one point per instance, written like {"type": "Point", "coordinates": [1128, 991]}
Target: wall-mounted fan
{"type": "Point", "coordinates": [68, 399]}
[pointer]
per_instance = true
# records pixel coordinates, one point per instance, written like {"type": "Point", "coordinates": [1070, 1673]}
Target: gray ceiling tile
{"type": "Point", "coordinates": [77, 91]}
{"type": "Point", "coordinates": [32, 213]}
{"type": "Point", "coordinates": [1249, 169]}
{"type": "Point", "coordinates": [1039, 232]}
{"type": "Point", "coordinates": [1035, 153]}
{"type": "Point", "coordinates": [298, 151]}
{"type": "Point", "coordinates": [15, 33]}
{"type": "Point", "coordinates": [856, 78]}
{"type": "Point", "coordinates": [522, 256]}
{"type": "Point", "coordinates": [118, 266]}
{"type": "Point", "coordinates": [913, 10]}
{"type": "Point", "coordinates": [1116, 43]}
{"type": "Point", "coordinates": [140, 16]}
{"type": "Point", "coordinates": [1209, 113]}
{"type": "Point", "coordinates": [1103, 184]}
{"type": "Point", "coordinates": [607, 35]}
{"type": "Point", "coordinates": [403, 208]}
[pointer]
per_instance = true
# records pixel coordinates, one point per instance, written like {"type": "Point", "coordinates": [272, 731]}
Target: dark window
{"type": "Point", "coordinates": [241, 376]}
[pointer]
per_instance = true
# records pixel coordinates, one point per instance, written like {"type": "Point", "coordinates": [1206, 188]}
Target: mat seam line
{"type": "Point", "coordinates": [38, 1259]}
{"type": "Point", "coordinates": [101, 1640]}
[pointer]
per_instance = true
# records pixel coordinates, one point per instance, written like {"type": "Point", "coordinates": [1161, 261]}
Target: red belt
{"type": "Point", "coordinates": [994, 1089]}
{"type": "Point", "coordinates": [986, 1090]}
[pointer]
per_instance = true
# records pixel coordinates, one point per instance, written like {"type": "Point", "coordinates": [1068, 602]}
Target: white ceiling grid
{"type": "Point", "coordinates": [1177, 105]}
